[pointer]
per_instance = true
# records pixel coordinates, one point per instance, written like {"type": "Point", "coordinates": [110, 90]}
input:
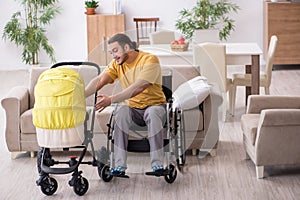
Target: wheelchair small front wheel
{"type": "Point", "coordinates": [49, 186]}
{"type": "Point", "coordinates": [170, 178]}
{"type": "Point", "coordinates": [106, 177]}
{"type": "Point", "coordinates": [81, 186]}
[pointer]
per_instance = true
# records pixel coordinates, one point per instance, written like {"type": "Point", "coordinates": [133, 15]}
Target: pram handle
{"type": "Point", "coordinates": [77, 63]}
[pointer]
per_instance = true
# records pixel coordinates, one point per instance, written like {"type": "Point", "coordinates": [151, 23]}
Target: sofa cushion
{"type": "Point", "coordinates": [191, 93]}
{"type": "Point", "coordinates": [193, 120]}
{"type": "Point", "coordinates": [102, 119]}
{"type": "Point", "coordinates": [249, 123]}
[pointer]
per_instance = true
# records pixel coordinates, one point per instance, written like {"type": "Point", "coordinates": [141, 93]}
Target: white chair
{"type": "Point", "coordinates": [162, 37]}
{"type": "Point", "coordinates": [211, 57]}
{"type": "Point", "coordinates": [265, 77]}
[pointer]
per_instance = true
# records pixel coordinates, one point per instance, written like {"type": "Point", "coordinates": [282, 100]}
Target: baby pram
{"type": "Point", "coordinates": [60, 117]}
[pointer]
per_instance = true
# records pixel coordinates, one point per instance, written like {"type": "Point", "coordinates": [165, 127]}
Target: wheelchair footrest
{"type": "Point", "coordinates": [120, 175]}
{"type": "Point", "coordinates": [159, 173]}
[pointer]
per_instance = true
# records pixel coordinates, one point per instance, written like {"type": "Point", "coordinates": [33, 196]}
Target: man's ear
{"type": "Point", "coordinates": [126, 47]}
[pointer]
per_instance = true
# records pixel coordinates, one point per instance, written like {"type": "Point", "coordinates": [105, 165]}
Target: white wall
{"type": "Point", "coordinates": [67, 33]}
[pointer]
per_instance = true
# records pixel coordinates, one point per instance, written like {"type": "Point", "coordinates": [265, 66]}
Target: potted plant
{"type": "Point", "coordinates": [27, 28]}
{"type": "Point", "coordinates": [207, 15]}
{"type": "Point", "coordinates": [91, 6]}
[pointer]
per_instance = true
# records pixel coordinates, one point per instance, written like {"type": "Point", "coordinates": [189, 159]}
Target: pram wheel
{"type": "Point", "coordinates": [81, 186]}
{"type": "Point", "coordinates": [104, 174]}
{"type": "Point", "coordinates": [49, 186]}
{"type": "Point", "coordinates": [170, 178]}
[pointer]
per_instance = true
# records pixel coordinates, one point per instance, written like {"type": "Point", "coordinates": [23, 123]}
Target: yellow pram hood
{"type": "Point", "coordinates": [59, 99]}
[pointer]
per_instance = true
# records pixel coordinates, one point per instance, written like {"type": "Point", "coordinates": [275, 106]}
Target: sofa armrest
{"type": "Point", "coordinates": [14, 104]}
{"type": "Point", "coordinates": [257, 103]}
{"type": "Point", "coordinates": [277, 140]}
{"type": "Point", "coordinates": [280, 117]}
{"type": "Point", "coordinates": [207, 111]}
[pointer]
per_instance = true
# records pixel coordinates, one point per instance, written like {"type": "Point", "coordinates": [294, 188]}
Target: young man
{"type": "Point", "coordinates": [139, 74]}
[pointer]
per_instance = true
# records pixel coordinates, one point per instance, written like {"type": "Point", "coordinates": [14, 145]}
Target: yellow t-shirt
{"type": "Point", "coordinates": [145, 67]}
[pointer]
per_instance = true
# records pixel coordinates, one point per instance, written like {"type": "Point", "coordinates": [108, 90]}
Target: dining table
{"type": "Point", "coordinates": [245, 54]}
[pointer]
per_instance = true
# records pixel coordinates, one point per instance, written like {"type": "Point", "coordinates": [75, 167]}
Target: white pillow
{"type": "Point", "coordinates": [191, 93]}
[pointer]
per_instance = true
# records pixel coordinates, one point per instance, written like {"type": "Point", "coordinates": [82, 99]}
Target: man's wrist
{"type": "Point", "coordinates": [111, 98]}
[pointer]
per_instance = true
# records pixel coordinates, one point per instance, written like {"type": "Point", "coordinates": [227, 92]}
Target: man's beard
{"type": "Point", "coordinates": [125, 57]}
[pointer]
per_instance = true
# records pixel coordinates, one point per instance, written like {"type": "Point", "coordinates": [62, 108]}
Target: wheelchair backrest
{"type": "Point", "coordinates": [167, 85]}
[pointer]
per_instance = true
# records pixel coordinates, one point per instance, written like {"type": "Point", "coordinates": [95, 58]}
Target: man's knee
{"type": "Point", "coordinates": [155, 114]}
{"type": "Point", "coordinates": [159, 111]}
{"type": "Point", "coordinates": [122, 112]}
{"type": "Point", "coordinates": [122, 116]}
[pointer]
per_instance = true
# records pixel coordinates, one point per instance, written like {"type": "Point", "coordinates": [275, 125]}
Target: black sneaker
{"type": "Point", "coordinates": [157, 171]}
{"type": "Point", "coordinates": [118, 172]}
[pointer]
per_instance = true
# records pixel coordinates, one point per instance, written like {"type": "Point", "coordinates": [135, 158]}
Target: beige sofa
{"type": "Point", "coordinates": [271, 133]}
{"type": "Point", "coordinates": [21, 136]}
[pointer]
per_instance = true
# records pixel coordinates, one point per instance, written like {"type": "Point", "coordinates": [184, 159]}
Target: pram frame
{"type": "Point", "coordinates": [45, 162]}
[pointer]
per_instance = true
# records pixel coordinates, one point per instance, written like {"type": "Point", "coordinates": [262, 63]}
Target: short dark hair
{"type": "Point", "coordinates": [122, 39]}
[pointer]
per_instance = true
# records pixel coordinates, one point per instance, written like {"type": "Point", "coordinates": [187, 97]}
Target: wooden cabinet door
{"type": "Point", "coordinates": [283, 19]}
{"type": "Point", "coordinates": [99, 29]}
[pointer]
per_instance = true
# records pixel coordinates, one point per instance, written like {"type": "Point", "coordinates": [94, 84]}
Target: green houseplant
{"type": "Point", "coordinates": [207, 15]}
{"type": "Point", "coordinates": [27, 28]}
{"type": "Point", "coordinates": [91, 6]}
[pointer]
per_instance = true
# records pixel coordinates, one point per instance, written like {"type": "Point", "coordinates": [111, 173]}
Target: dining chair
{"type": "Point", "coordinates": [211, 58]}
{"type": "Point", "coordinates": [162, 37]}
{"type": "Point", "coordinates": [239, 79]}
{"type": "Point", "coordinates": [145, 26]}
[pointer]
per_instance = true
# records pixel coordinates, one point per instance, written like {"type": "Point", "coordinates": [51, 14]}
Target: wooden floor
{"type": "Point", "coordinates": [225, 176]}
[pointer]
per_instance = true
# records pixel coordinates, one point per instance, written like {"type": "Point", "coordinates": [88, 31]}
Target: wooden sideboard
{"type": "Point", "coordinates": [99, 28]}
{"type": "Point", "coordinates": [282, 19]}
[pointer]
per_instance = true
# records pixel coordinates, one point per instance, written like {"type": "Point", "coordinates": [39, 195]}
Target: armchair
{"type": "Point", "coordinates": [271, 133]}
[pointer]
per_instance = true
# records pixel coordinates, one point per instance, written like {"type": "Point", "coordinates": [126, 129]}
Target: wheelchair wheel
{"type": "Point", "coordinates": [49, 186]}
{"type": "Point", "coordinates": [81, 186]}
{"type": "Point", "coordinates": [106, 177]}
{"type": "Point", "coordinates": [102, 159]}
{"type": "Point", "coordinates": [102, 156]}
{"type": "Point", "coordinates": [170, 178]}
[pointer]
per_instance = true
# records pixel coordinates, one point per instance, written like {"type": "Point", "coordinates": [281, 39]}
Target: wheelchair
{"type": "Point", "coordinates": [174, 141]}
{"type": "Point", "coordinates": [46, 162]}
